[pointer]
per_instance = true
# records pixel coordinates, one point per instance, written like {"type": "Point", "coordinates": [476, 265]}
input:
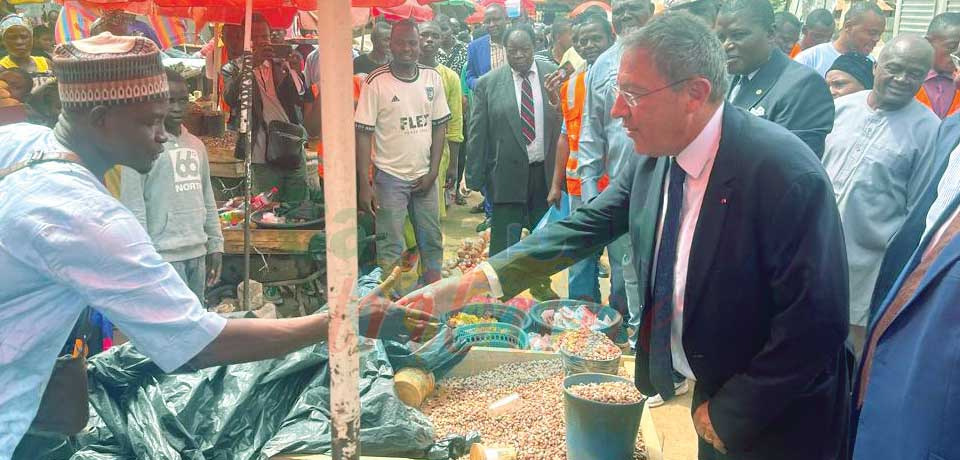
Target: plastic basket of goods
{"type": "Point", "coordinates": [479, 313]}
{"type": "Point", "coordinates": [497, 335]}
{"type": "Point", "coordinates": [584, 351]}
{"type": "Point", "coordinates": [555, 316]}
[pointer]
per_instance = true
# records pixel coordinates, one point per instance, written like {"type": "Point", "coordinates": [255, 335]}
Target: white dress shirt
{"type": "Point", "coordinates": [697, 161]}
{"type": "Point", "coordinates": [947, 190]}
{"type": "Point", "coordinates": [535, 149]}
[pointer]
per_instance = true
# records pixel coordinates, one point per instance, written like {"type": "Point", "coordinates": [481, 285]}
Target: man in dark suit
{"type": "Point", "coordinates": [738, 246]}
{"type": "Point", "coordinates": [903, 245]}
{"type": "Point", "coordinates": [513, 132]}
{"type": "Point", "coordinates": [909, 366]}
{"type": "Point", "coordinates": [768, 83]}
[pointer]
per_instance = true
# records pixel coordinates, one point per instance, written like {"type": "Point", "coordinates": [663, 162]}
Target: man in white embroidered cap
{"type": "Point", "coordinates": [66, 245]}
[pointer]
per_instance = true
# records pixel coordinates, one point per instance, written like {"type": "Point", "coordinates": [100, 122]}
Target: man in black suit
{"type": "Point", "coordinates": [768, 83]}
{"type": "Point", "coordinates": [513, 132]}
{"type": "Point", "coordinates": [738, 247]}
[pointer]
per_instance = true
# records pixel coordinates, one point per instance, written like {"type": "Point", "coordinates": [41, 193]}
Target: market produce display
{"type": "Point", "coordinates": [574, 318]}
{"type": "Point", "coordinates": [607, 392]}
{"type": "Point", "coordinates": [463, 319]}
{"type": "Point", "coordinates": [587, 344]}
{"type": "Point", "coordinates": [535, 429]}
{"type": "Point", "coordinates": [472, 252]}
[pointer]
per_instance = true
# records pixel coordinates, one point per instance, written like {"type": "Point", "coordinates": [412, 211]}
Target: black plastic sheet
{"type": "Point", "coordinates": [246, 411]}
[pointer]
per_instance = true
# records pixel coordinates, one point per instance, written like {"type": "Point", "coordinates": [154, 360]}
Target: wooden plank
{"type": "Point", "coordinates": [269, 241]}
{"type": "Point", "coordinates": [229, 169]}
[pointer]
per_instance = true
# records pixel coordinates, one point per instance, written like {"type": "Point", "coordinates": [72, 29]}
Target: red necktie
{"type": "Point", "coordinates": [527, 113]}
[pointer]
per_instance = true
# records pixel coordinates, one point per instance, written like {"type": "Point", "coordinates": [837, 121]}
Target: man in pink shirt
{"type": "Point", "coordinates": [939, 92]}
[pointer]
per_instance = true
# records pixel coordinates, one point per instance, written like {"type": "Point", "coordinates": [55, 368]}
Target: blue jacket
{"type": "Point", "coordinates": [478, 60]}
{"type": "Point", "coordinates": [912, 405]}
{"type": "Point", "coordinates": [905, 242]}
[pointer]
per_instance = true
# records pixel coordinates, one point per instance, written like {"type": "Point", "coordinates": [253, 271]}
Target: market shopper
{"type": "Point", "coordinates": [850, 73]}
{"type": "Point", "coordinates": [43, 41]}
{"type": "Point", "coordinates": [939, 92]}
{"type": "Point", "coordinates": [786, 31]}
{"type": "Point", "coordinates": [279, 95]}
{"type": "Point", "coordinates": [863, 26]}
{"type": "Point", "coordinates": [452, 52]}
{"type": "Point", "coordinates": [402, 115]}
{"type": "Point", "coordinates": [174, 201]}
{"type": "Point", "coordinates": [605, 149]}
{"type": "Point", "coordinates": [817, 28]}
{"type": "Point", "coordinates": [430, 39]}
{"type": "Point", "coordinates": [484, 54]}
{"type": "Point", "coordinates": [593, 35]}
{"type": "Point", "coordinates": [17, 37]}
{"type": "Point", "coordinates": [513, 134]}
{"type": "Point", "coordinates": [65, 244]}
{"type": "Point", "coordinates": [737, 235]}
{"type": "Point", "coordinates": [879, 157]}
{"type": "Point", "coordinates": [379, 55]}
{"type": "Point", "coordinates": [765, 81]}
{"type": "Point", "coordinates": [561, 40]}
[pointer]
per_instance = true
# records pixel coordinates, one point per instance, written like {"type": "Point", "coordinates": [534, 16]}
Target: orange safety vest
{"type": "Point", "coordinates": [925, 100]}
{"type": "Point", "coordinates": [571, 105]}
{"type": "Point", "coordinates": [795, 51]}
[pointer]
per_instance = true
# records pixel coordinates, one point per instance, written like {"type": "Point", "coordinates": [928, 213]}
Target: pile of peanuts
{"type": "Point", "coordinates": [536, 429]}
{"type": "Point", "coordinates": [587, 344]}
{"type": "Point", "coordinates": [607, 392]}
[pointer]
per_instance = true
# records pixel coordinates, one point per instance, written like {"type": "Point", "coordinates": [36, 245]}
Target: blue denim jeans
{"type": "Point", "coordinates": [624, 285]}
{"type": "Point", "coordinates": [583, 277]}
{"type": "Point", "coordinates": [397, 201]}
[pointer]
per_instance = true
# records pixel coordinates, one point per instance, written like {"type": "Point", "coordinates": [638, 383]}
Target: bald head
{"type": "Point", "coordinates": [863, 25]}
{"type": "Point", "coordinates": [910, 46]}
{"type": "Point", "coordinates": [900, 70]}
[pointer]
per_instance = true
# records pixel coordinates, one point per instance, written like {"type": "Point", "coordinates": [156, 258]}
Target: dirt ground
{"type": "Point", "coordinates": [460, 224]}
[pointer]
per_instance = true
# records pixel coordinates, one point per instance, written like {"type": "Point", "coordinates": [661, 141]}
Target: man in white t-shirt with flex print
{"type": "Point", "coordinates": [403, 110]}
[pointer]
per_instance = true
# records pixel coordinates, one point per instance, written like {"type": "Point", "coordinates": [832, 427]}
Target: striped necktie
{"type": "Point", "coordinates": [527, 113]}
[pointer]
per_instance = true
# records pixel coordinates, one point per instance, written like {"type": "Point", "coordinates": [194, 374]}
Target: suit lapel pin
{"type": "Point", "coordinates": [758, 111]}
{"type": "Point", "coordinates": [723, 200]}
{"type": "Point", "coordinates": [759, 92]}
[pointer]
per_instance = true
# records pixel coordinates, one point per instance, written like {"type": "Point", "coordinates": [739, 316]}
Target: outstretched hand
{"type": "Point", "coordinates": [447, 294]}
{"type": "Point", "coordinates": [381, 318]}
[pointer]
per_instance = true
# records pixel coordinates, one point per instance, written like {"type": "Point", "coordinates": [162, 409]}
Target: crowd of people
{"type": "Point", "coordinates": [777, 200]}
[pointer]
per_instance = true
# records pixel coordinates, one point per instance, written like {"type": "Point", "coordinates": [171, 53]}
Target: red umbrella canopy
{"type": "Point", "coordinates": [410, 9]}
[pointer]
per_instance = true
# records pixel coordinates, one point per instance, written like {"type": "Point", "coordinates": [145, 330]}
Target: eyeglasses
{"type": "Point", "coordinates": [633, 98]}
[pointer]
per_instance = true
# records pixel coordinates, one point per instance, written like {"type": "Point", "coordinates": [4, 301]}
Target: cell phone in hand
{"type": "Point", "coordinates": [566, 70]}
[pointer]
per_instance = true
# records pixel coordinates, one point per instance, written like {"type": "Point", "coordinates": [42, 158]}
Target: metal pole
{"type": "Point", "coordinates": [246, 93]}
{"type": "Point", "coordinates": [215, 93]}
{"type": "Point", "coordinates": [340, 198]}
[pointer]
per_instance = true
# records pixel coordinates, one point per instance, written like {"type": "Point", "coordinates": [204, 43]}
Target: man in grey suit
{"type": "Point", "coordinates": [766, 82]}
{"type": "Point", "coordinates": [513, 134]}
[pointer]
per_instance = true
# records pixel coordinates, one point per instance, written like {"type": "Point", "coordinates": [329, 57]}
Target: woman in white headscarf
{"type": "Point", "coordinates": [17, 37]}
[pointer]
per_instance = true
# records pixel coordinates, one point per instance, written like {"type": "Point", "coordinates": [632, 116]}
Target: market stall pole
{"type": "Point", "coordinates": [340, 197]}
{"type": "Point", "coordinates": [246, 94]}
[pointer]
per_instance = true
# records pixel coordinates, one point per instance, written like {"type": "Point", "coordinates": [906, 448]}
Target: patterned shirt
{"type": "Point", "coordinates": [455, 59]}
{"type": "Point", "coordinates": [498, 55]}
